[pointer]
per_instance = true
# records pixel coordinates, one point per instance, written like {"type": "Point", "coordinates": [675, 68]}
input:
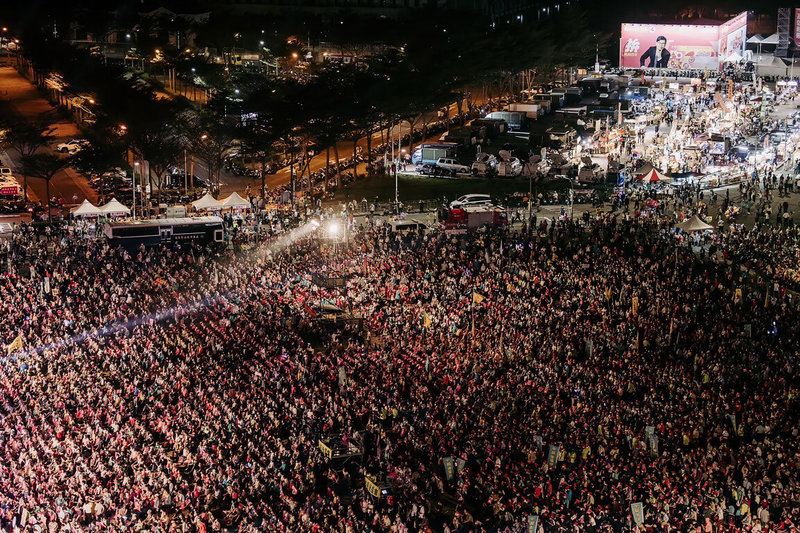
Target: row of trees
{"type": "Point", "coordinates": [28, 139]}
{"type": "Point", "coordinates": [433, 68]}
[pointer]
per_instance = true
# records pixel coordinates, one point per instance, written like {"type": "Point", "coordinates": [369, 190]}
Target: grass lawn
{"type": "Point", "coordinates": [412, 189]}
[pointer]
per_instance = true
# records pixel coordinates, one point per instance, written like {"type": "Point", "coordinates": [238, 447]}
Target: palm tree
{"type": "Point", "coordinates": [26, 138]}
{"type": "Point", "coordinates": [45, 166]}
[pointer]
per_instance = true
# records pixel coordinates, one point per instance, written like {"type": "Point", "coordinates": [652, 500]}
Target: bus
{"type": "Point", "coordinates": [132, 234]}
{"type": "Point", "coordinates": [430, 153]}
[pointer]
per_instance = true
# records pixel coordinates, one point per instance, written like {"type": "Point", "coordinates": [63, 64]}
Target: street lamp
{"type": "Point", "coordinates": [135, 171]}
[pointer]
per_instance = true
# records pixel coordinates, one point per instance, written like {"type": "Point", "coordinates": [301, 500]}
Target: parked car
{"type": "Point", "coordinates": [452, 166]}
{"type": "Point", "coordinates": [471, 199]}
{"type": "Point", "coordinates": [428, 169]}
{"type": "Point", "coordinates": [73, 146]}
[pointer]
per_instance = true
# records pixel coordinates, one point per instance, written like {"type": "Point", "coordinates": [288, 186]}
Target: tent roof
{"type": "Point", "coordinates": [755, 39]}
{"type": "Point", "coordinates": [694, 224]}
{"type": "Point", "coordinates": [733, 58]}
{"type": "Point", "coordinates": [207, 202]}
{"type": "Point", "coordinates": [772, 39]}
{"type": "Point", "coordinates": [86, 209]}
{"type": "Point", "coordinates": [653, 176]}
{"type": "Point", "coordinates": [771, 60]}
{"type": "Point", "coordinates": [114, 207]}
{"type": "Point", "coordinates": [234, 200]}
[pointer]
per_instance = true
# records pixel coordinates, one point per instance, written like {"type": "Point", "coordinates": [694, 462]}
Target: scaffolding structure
{"type": "Point", "coordinates": [784, 32]}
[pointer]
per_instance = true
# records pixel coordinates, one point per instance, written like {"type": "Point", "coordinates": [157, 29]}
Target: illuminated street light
{"type": "Point", "coordinates": [334, 228]}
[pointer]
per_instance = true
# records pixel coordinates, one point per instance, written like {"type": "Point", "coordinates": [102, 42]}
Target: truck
{"type": "Point", "coordinates": [430, 153]}
{"type": "Point", "coordinates": [462, 219]}
{"type": "Point", "coordinates": [544, 102]}
{"type": "Point", "coordinates": [531, 110]}
{"type": "Point", "coordinates": [556, 98]}
{"type": "Point", "coordinates": [516, 120]}
{"type": "Point", "coordinates": [9, 186]}
{"type": "Point", "coordinates": [460, 136]}
{"type": "Point", "coordinates": [488, 127]}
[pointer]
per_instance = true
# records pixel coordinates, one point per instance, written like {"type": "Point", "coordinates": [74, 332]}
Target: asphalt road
{"type": "Point", "coordinates": [19, 97]}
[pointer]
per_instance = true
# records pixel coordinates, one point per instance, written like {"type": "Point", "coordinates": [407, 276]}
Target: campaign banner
{"type": "Point", "coordinates": [449, 468]}
{"type": "Point", "coordinates": [372, 487]}
{"type": "Point", "coordinates": [732, 37]}
{"type": "Point", "coordinates": [325, 449]}
{"type": "Point", "coordinates": [533, 523]}
{"type": "Point", "coordinates": [797, 26]}
{"type": "Point", "coordinates": [669, 46]}
{"type": "Point", "coordinates": [552, 456]}
{"type": "Point", "coordinates": [637, 510]}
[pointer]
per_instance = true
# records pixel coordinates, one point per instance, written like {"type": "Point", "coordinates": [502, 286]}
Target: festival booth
{"type": "Point", "coordinates": [717, 176]}
{"type": "Point", "coordinates": [694, 224]}
{"type": "Point", "coordinates": [115, 209]}
{"type": "Point", "coordinates": [86, 210]}
{"type": "Point", "coordinates": [234, 201]}
{"type": "Point", "coordinates": [653, 176]}
{"type": "Point", "coordinates": [207, 203]}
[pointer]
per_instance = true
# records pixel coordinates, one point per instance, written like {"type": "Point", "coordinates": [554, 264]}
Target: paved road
{"type": "Point", "coordinates": [23, 99]}
{"type": "Point", "coordinates": [230, 183]}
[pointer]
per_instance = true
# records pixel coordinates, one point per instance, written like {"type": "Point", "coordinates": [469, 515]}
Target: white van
{"type": "Point", "coordinates": [406, 226]}
{"type": "Point", "coordinates": [471, 199]}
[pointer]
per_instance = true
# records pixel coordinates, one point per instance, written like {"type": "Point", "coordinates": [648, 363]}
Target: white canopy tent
{"type": "Point", "coordinates": [694, 224]}
{"type": "Point", "coordinates": [772, 39]}
{"type": "Point", "coordinates": [115, 209]}
{"type": "Point", "coordinates": [234, 201]}
{"type": "Point", "coordinates": [755, 39]}
{"type": "Point", "coordinates": [207, 203]}
{"type": "Point", "coordinates": [769, 65]}
{"type": "Point", "coordinates": [733, 58]}
{"type": "Point", "coordinates": [86, 209]}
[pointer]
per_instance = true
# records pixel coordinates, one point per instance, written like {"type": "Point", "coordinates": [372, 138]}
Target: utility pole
{"type": "Point", "coordinates": [291, 167]}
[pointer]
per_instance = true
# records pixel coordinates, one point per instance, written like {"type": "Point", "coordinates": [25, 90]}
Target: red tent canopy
{"type": "Point", "coordinates": [653, 176]}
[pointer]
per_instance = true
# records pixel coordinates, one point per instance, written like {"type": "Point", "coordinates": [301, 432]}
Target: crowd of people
{"type": "Point", "coordinates": [188, 389]}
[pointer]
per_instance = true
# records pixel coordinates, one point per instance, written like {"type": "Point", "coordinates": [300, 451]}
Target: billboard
{"type": "Point", "coordinates": [797, 27]}
{"type": "Point", "coordinates": [669, 46]}
{"type": "Point", "coordinates": [733, 36]}
{"type": "Point", "coordinates": [681, 46]}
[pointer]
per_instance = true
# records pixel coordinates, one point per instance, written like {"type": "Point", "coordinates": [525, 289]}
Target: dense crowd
{"type": "Point", "coordinates": [187, 390]}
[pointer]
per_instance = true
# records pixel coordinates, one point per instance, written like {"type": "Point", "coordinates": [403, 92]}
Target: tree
{"type": "Point", "coordinates": [211, 138]}
{"type": "Point", "coordinates": [26, 138]}
{"type": "Point", "coordinates": [45, 166]}
{"type": "Point", "coordinates": [273, 124]}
